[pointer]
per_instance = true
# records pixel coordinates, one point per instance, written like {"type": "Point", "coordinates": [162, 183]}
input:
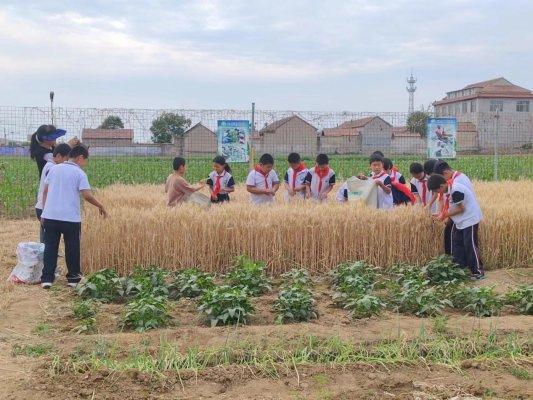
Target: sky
{"type": "Point", "coordinates": [287, 55]}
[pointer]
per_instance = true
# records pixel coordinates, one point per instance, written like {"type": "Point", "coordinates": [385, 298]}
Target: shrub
{"type": "Point", "coordinates": [364, 306]}
{"type": "Point", "coordinates": [225, 305]}
{"type": "Point", "coordinates": [190, 283]}
{"type": "Point", "coordinates": [250, 275]}
{"type": "Point", "coordinates": [404, 273]}
{"type": "Point", "coordinates": [481, 301]}
{"type": "Point", "coordinates": [295, 303]}
{"type": "Point", "coordinates": [415, 297]}
{"type": "Point", "coordinates": [522, 298]}
{"type": "Point", "coordinates": [150, 280]}
{"type": "Point", "coordinates": [442, 270]}
{"type": "Point", "coordinates": [353, 269]}
{"type": "Point", "coordinates": [146, 312]}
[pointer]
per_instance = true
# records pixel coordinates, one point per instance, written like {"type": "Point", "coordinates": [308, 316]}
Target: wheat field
{"type": "Point", "coordinates": [143, 231]}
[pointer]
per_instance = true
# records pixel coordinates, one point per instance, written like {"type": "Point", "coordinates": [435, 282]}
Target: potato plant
{"type": "Point", "coordinates": [101, 285]}
{"type": "Point", "coordinates": [442, 270]}
{"type": "Point", "coordinates": [522, 298]}
{"type": "Point", "coordinates": [480, 301]}
{"type": "Point", "coordinates": [250, 275]}
{"type": "Point", "coordinates": [146, 312]}
{"type": "Point", "coordinates": [190, 283]}
{"type": "Point", "coordinates": [226, 305]}
{"type": "Point", "coordinates": [85, 312]}
{"type": "Point", "coordinates": [297, 276]}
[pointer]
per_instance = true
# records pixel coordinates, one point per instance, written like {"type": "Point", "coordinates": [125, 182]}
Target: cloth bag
{"type": "Point", "coordinates": [29, 266]}
{"type": "Point", "coordinates": [362, 190]}
{"type": "Point", "coordinates": [200, 200]}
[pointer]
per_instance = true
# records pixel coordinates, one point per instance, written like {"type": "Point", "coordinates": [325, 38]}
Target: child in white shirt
{"type": "Point", "coordinates": [382, 180]}
{"type": "Point", "coordinates": [295, 177]}
{"type": "Point", "coordinates": [320, 179]}
{"type": "Point", "coordinates": [262, 182]}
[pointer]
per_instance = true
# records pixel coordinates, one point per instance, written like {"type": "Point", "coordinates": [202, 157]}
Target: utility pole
{"type": "Point", "coordinates": [251, 154]}
{"type": "Point", "coordinates": [52, 106]}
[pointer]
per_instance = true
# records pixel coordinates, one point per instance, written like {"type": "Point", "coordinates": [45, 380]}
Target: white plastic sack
{"type": "Point", "coordinates": [200, 200]}
{"type": "Point", "coordinates": [362, 190]}
{"type": "Point", "coordinates": [29, 267]}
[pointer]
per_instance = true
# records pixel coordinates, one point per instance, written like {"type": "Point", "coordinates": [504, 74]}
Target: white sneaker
{"type": "Point", "coordinates": [72, 285]}
{"type": "Point", "coordinates": [46, 285]}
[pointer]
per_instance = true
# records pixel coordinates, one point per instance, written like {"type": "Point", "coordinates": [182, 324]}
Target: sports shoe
{"type": "Point", "coordinates": [72, 285]}
{"type": "Point", "coordinates": [478, 277]}
{"type": "Point", "coordinates": [46, 285]}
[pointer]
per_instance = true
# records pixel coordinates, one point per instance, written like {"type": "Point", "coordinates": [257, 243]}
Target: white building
{"type": "Point", "coordinates": [494, 106]}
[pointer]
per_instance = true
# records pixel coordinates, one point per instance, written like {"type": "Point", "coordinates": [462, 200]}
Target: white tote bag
{"type": "Point", "coordinates": [362, 190]}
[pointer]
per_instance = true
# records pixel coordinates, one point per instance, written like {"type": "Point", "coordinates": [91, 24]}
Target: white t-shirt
{"type": "Point", "coordinates": [460, 193]}
{"type": "Point", "coordinates": [314, 182]}
{"type": "Point", "coordinates": [299, 181]}
{"type": "Point", "coordinates": [419, 187]}
{"type": "Point", "coordinates": [385, 201]}
{"type": "Point", "coordinates": [258, 180]}
{"type": "Point", "coordinates": [44, 174]}
{"type": "Point", "coordinates": [65, 182]}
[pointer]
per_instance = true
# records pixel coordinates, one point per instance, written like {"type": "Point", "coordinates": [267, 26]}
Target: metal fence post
{"type": "Point", "coordinates": [496, 145]}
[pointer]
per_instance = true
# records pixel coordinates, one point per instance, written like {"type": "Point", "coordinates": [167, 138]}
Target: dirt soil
{"type": "Point", "coordinates": [30, 316]}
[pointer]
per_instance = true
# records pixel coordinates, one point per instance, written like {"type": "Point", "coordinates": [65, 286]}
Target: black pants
{"type": "Point", "coordinates": [38, 213]}
{"type": "Point", "coordinates": [53, 230]}
{"type": "Point", "coordinates": [221, 198]}
{"type": "Point", "coordinates": [465, 248]}
{"type": "Point", "coordinates": [448, 230]}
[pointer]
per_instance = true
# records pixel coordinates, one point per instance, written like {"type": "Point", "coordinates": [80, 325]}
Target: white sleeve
{"type": "Point", "coordinates": [275, 178]}
{"type": "Point", "coordinates": [48, 175]}
{"type": "Point", "coordinates": [48, 157]}
{"type": "Point", "coordinates": [250, 181]}
{"type": "Point", "coordinates": [83, 182]}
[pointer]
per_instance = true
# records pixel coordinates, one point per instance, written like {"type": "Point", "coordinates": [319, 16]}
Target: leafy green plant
{"type": "Point", "coordinates": [364, 306]}
{"type": "Point", "coordinates": [150, 280]}
{"type": "Point", "coordinates": [295, 303]}
{"type": "Point", "coordinates": [297, 276]}
{"type": "Point", "coordinates": [353, 269]}
{"type": "Point", "coordinates": [402, 273]}
{"type": "Point", "coordinates": [190, 283]}
{"type": "Point", "coordinates": [101, 286]}
{"type": "Point", "coordinates": [225, 305]}
{"type": "Point", "coordinates": [85, 311]}
{"type": "Point", "coordinates": [522, 298]}
{"type": "Point", "coordinates": [249, 275]}
{"type": "Point", "coordinates": [415, 297]}
{"type": "Point", "coordinates": [481, 301]}
{"type": "Point", "coordinates": [442, 270]}
{"type": "Point", "coordinates": [146, 312]}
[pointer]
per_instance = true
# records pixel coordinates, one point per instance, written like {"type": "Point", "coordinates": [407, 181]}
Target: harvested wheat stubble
{"type": "Point", "coordinates": [142, 230]}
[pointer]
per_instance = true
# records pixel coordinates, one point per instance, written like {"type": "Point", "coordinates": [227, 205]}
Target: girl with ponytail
{"type": "Point", "coordinates": [220, 180]}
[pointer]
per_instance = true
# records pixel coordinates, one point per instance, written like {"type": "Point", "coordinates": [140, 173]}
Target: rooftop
{"type": "Point", "coordinates": [87, 133]}
{"type": "Point", "coordinates": [350, 128]}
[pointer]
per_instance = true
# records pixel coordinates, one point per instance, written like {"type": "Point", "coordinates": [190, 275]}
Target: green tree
{"type": "Point", "coordinates": [112, 122]}
{"type": "Point", "coordinates": [168, 126]}
{"type": "Point", "coordinates": [417, 122]}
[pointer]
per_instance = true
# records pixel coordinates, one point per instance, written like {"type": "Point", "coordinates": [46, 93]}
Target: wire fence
{"type": "Point", "coordinates": [129, 154]}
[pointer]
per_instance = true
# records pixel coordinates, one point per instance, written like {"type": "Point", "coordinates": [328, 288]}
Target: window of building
{"type": "Point", "coordinates": [464, 107]}
{"type": "Point", "coordinates": [457, 109]}
{"type": "Point", "coordinates": [522, 106]}
{"type": "Point", "coordinates": [472, 106]}
{"type": "Point", "coordinates": [496, 105]}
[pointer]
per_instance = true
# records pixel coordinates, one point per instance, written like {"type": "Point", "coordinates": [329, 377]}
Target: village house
{"type": "Point", "coordinates": [496, 106]}
{"type": "Point", "coordinates": [198, 139]}
{"type": "Point", "coordinates": [362, 135]}
{"type": "Point", "coordinates": [406, 142]}
{"type": "Point", "coordinates": [286, 135]}
{"type": "Point", "coordinates": [107, 137]}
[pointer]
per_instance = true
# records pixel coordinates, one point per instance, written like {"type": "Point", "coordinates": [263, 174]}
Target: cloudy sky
{"type": "Point", "coordinates": [293, 54]}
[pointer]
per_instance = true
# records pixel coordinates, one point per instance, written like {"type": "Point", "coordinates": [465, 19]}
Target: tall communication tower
{"type": "Point", "coordinates": [411, 89]}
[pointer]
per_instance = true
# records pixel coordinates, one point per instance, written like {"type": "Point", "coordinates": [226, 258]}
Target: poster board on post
{"type": "Point", "coordinates": [441, 137]}
{"type": "Point", "coordinates": [233, 137]}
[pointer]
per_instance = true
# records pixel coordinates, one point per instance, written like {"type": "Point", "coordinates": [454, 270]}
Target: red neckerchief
{"type": "Point", "coordinates": [401, 187]}
{"type": "Point", "coordinates": [449, 182]}
{"type": "Point", "coordinates": [295, 172]}
{"type": "Point", "coordinates": [378, 176]}
{"type": "Point", "coordinates": [260, 170]}
{"type": "Point", "coordinates": [423, 181]}
{"type": "Point", "coordinates": [216, 189]}
{"type": "Point", "coordinates": [322, 173]}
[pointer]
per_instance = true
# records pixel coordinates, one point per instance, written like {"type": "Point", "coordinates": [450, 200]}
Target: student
{"type": "Point", "coordinates": [62, 215]}
{"type": "Point", "coordinates": [220, 181]}
{"type": "Point", "coordinates": [419, 184]}
{"type": "Point", "coordinates": [429, 165]}
{"type": "Point", "coordinates": [382, 180]}
{"type": "Point", "coordinates": [42, 145]}
{"type": "Point", "coordinates": [466, 214]}
{"type": "Point", "coordinates": [320, 179]}
{"type": "Point", "coordinates": [451, 176]}
{"type": "Point", "coordinates": [400, 192]}
{"type": "Point", "coordinates": [262, 182]}
{"type": "Point", "coordinates": [176, 187]}
{"type": "Point", "coordinates": [295, 177]}
{"type": "Point", "coordinates": [60, 155]}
